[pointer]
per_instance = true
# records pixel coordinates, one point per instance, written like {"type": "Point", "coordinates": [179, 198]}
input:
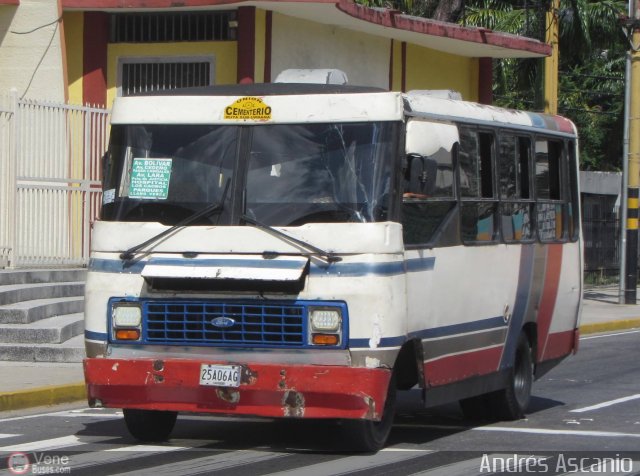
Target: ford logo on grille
{"type": "Point", "coordinates": [223, 322]}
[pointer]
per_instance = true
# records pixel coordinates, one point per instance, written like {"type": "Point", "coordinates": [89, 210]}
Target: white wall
{"type": "Point", "coordinates": [299, 43]}
{"type": "Point", "coordinates": [31, 62]}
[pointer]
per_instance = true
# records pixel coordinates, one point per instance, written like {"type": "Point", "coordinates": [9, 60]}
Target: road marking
{"type": "Point", "coordinates": [38, 415]}
{"type": "Point", "coordinates": [543, 431]}
{"type": "Point", "coordinates": [105, 416]}
{"type": "Point", "coordinates": [407, 450]}
{"type": "Point", "coordinates": [533, 431]}
{"type": "Point", "coordinates": [600, 336]}
{"type": "Point", "coordinates": [351, 464]}
{"type": "Point", "coordinates": [209, 464]}
{"type": "Point", "coordinates": [606, 404]}
{"type": "Point", "coordinates": [150, 448]}
{"type": "Point", "coordinates": [57, 443]}
{"type": "Point", "coordinates": [7, 435]}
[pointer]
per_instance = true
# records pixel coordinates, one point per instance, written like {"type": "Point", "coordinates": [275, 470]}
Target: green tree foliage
{"type": "Point", "coordinates": [592, 62]}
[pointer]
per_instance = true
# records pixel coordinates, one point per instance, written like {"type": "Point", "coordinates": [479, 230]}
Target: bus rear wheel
{"type": "Point", "coordinates": [370, 436]}
{"type": "Point", "coordinates": [511, 403]}
{"type": "Point", "coordinates": [149, 425]}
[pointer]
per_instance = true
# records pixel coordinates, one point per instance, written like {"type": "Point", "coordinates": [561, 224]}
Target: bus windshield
{"type": "Point", "coordinates": [279, 174]}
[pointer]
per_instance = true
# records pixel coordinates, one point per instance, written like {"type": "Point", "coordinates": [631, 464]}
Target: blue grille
{"type": "Point", "coordinates": [190, 322]}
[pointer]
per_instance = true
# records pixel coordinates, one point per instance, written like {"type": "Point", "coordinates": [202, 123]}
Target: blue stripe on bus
{"type": "Point", "coordinates": [333, 269]}
{"type": "Point", "coordinates": [375, 269]}
{"type": "Point", "coordinates": [463, 328]}
{"type": "Point", "coordinates": [244, 263]}
{"type": "Point", "coordinates": [525, 280]}
{"type": "Point", "coordinates": [91, 335]}
{"type": "Point", "coordinates": [537, 120]}
{"type": "Point", "coordinates": [116, 266]}
{"type": "Point", "coordinates": [444, 331]}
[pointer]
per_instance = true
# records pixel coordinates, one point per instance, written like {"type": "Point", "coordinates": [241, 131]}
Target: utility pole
{"type": "Point", "coordinates": [551, 62]}
{"type": "Point", "coordinates": [632, 25]}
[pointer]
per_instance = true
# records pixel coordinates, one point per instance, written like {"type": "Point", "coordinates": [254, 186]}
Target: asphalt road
{"type": "Point", "coordinates": [584, 418]}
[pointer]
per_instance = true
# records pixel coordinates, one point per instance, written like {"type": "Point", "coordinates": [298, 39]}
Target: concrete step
{"type": "Point", "coordinates": [26, 312]}
{"type": "Point", "coordinates": [52, 330]}
{"type": "Point", "coordinates": [41, 315]}
{"type": "Point", "coordinates": [33, 276]}
{"type": "Point", "coordinates": [69, 351]}
{"type": "Point", "coordinates": [13, 293]}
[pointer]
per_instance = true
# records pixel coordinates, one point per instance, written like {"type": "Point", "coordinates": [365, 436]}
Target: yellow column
{"type": "Point", "coordinates": [551, 62]}
{"type": "Point", "coordinates": [634, 124]}
{"type": "Point", "coordinates": [260, 28]}
{"type": "Point", "coordinates": [633, 162]}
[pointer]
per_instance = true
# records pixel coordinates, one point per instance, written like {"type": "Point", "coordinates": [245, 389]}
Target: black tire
{"type": "Point", "coordinates": [511, 403]}
{"type": "Point", "coordinates": [149, 425]}
{"type": "Point", "coordinates": [370, 436]}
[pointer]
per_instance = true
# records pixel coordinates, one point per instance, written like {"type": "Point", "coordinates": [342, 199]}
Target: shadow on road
{"type": "Point", "coordinates": [414, 425]}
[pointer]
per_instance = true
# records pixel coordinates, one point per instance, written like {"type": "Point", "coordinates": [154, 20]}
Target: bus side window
{"type": "Point", "coordinates": [551, 209]}
{"type": "Point", "coordinates": [516, 206]}
{"type": "Point", "coordinates": [429, 193]}
{"type": "Point", "coordinates": [479, 205]}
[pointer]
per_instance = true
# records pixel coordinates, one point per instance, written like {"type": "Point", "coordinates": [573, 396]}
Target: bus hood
{"type": "Point", "coordinates": [338, 238]}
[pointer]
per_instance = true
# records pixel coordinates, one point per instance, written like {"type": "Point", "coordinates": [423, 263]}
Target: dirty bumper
{"type": "Point", "coordinates": [269, 390]}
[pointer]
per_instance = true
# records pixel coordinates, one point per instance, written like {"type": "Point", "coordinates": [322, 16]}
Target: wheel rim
{"type": "Point", "coordinates": [523, 377]}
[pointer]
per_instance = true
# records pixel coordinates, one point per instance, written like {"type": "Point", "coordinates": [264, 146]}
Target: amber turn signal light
{"type": "Point", "coordinates": [325, 339]}
{"type": "Point", "coordinates": [128, 334]}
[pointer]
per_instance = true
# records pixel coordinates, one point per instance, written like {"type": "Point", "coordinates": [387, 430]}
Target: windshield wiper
{"type": "Point", "coordinates": [328, 256]}
{"type": "Point", "coordinates": [208, 210]}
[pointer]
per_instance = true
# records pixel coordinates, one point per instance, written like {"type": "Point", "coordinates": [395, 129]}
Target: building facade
{"type": "Point", "coordinates": [63, 62]}
{"type": "Point", "coordinates": [90, 51]}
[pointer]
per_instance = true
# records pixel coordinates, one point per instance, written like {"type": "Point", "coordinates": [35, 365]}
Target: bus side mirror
{"type": "Point", "coordinates": [420, 175]}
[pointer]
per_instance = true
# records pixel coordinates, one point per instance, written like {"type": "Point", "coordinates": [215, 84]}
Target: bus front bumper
{"type": "Point", "coordinates": [269, 390]}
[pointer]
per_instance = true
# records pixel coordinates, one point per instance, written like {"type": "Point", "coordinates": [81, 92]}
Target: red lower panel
{"type": "Point", "coordinates": [266, 390]}
{"type": "Point", "coordinates": [560, 344]}
{"type": "Point", "coordinates": [459, 367]}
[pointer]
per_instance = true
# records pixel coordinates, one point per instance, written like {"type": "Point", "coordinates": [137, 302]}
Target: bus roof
{"type": "Point", "coordinates": [419, 103]}
{"type": "Point", "coordinates": [260, 104]}
{"type": "Point", "coordinates": [265, 103]}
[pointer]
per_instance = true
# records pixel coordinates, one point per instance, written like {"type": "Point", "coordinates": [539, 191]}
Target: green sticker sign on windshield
{"type": "Point", "coordinates": [150, 179]}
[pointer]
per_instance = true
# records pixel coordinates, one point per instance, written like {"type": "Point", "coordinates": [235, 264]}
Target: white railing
{"type": "Point", "coordinates": [50, 192]}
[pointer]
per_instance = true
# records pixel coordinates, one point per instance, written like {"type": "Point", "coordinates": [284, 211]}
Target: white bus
{"type": "Point", "coordinates": [305, 251]}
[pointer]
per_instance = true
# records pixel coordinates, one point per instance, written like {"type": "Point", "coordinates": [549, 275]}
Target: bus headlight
{"type": "Point", "coordinates": [325, 320]}
{"type": "Point", "coordinates": [127, 321]}
{"type": "Point", "coordinates": [325, 326]}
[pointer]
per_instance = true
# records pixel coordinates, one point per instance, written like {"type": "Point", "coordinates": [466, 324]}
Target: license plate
{"type": "Point", "coordinates": [220, 375]}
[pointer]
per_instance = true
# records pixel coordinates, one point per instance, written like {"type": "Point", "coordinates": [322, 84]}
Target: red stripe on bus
{"type": "Point", "coordinates": [459, 367]}
{"type": "Point", "coordinates": [268, 390]}
{"type": "Point", "coordinates": [559, 344]}
{"type": "Point", "coordinates": [549, 295]}
{"type": "Point", "coordinates": [564, 125]}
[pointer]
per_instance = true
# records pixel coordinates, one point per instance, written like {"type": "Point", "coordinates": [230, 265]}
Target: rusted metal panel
{"type": "Point", "coordinates": [269, 390]}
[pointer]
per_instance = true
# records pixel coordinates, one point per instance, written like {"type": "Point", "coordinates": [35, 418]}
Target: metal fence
{"type": "Point", "coordinates": [601, 229]}
{"type": "Point", "coordinates": [49, 181]}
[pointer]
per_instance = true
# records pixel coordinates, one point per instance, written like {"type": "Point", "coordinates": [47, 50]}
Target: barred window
{"type": "Point", "coordinates": [172, 27]}
{"type": "Point", "coordinates": [148, 75]}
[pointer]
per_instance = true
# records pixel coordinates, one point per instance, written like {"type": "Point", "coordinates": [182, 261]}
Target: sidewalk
{"type": "Point", "coordinates": [24, 384]}
{"type": "Point", "coordinates": [601, 311]}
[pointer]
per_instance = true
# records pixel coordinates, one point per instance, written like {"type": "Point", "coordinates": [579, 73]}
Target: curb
{"type": "Point", "coordinates": [610, 326]}
{"type": "Point", "coordinates": [41, 396]}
